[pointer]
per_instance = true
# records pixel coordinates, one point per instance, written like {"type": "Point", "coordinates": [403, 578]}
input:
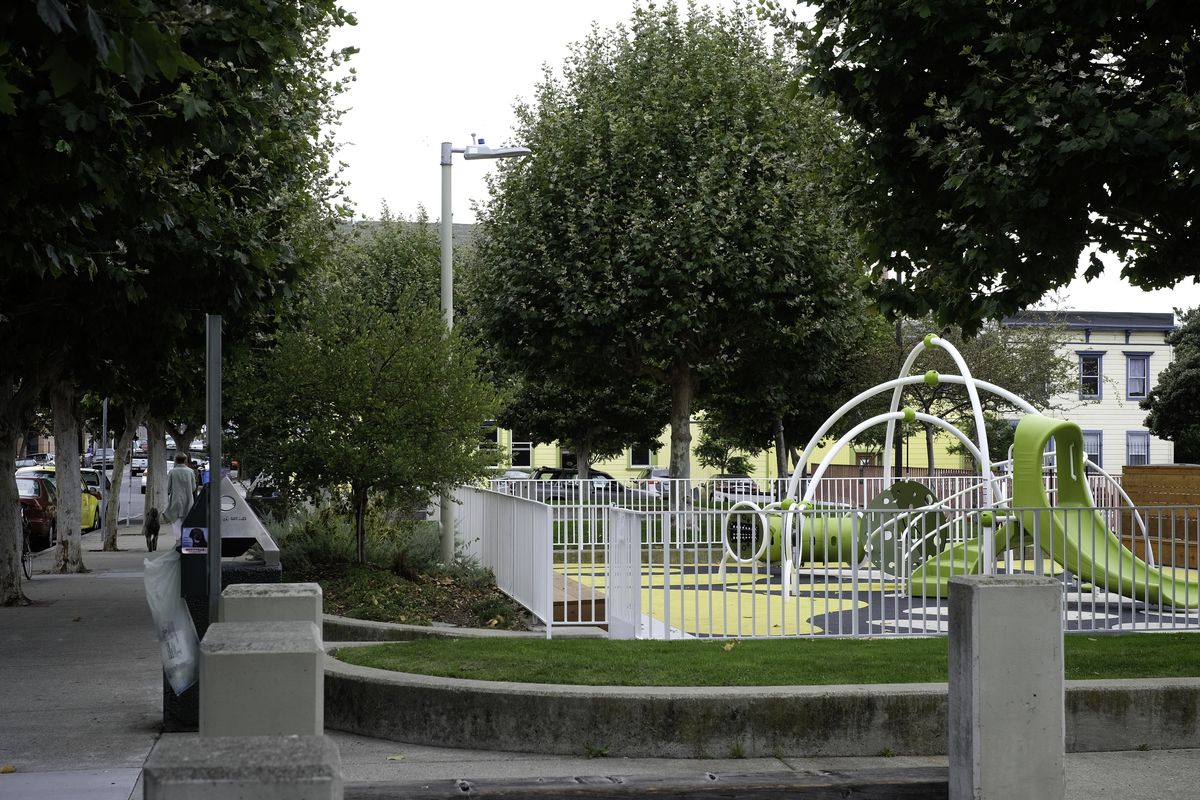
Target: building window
{"type": "Point", "coordinates": [1137, 448]}
{"type": "Point", "coordinates": [522, 451]}
{"type": "Point", "coordinates": [1093, 445]}
{"type": "Point", "coordinates": [489, 439]}
{"type": "Point", "coordinates": [1137, 375]}
{"type": "Point", "coordinates": [1091, 373]}
{"type": "Point", "coordinates": [639, 456]}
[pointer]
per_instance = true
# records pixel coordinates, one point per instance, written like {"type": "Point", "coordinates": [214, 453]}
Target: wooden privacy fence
{"type": "Point", "coordinates": [1174, 533]}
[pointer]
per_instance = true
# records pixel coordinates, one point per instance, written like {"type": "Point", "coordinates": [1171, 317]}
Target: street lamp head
{"type": "Point", "coordinates": [481, 150]}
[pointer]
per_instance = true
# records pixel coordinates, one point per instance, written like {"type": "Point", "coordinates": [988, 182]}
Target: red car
{"type": "Point", "coordinates": [40, 500]}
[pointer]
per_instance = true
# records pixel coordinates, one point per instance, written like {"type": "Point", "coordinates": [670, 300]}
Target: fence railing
{"type": "Point", "coordinates": [511, 537]}
{"type": "Point", "coordinates": [709, 571]}
{"type": "Point", "coordinates": [680, 506]}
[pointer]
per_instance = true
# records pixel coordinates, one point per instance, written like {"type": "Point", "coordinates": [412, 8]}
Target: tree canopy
{"type": "Point", "coordinates": [1174, 402]}
{"type": "Point", "coordinates": [595, 422]}
{"type": "Point", "coordinates": [672, 218]}
{"type": "Point", "coordinates": [359, 399]}
{"type": "Point", "coordinates": [997, 141]}
{"type": "Point", "coordinates": [163, 161]}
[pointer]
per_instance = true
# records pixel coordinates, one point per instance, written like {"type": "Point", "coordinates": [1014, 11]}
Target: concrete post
{"type": "Point", "coordinates": [1007, 728]}
{"type": "Point", "coordinates": [262, 679]}
{"type": "Point", "coordinates": [272, 602]}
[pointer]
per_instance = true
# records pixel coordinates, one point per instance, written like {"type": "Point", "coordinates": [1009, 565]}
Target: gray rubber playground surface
{"type": "Point", "coordinates": [81, 705]}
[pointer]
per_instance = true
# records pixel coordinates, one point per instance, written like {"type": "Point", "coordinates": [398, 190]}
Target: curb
{"type": "Point", "coordinates": [344, 629]}
{"type": "Point", "coordinates": [714, 722]}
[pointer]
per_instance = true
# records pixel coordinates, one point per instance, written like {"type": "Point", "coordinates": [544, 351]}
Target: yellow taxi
{"type": "Point", "coordinates": [90, 500]}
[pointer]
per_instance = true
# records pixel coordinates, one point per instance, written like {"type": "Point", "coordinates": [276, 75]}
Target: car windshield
{"type": "Point", "coordinates": [27, 487]}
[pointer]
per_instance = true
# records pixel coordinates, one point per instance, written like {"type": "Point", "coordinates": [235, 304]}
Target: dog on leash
{"type": "Point", "coordinates": [150, 528]}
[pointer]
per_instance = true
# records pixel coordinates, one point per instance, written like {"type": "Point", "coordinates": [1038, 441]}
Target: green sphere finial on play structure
{"type": "Point", "coordinates": [931, 377]}
{"type": "Point", "coordinates": [929, 345]}
{"type": "Point", "coordinates": [909, 415]}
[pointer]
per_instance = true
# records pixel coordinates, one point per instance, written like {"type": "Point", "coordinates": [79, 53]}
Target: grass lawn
{"type": "Point", "coordinates": [782, 662]}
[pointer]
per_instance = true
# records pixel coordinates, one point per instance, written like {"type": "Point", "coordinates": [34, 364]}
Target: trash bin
{"type": "Point", "coordinates": [181, 713]}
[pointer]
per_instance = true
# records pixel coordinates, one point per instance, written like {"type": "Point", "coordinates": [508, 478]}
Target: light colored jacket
{"type": "Point", "coordinates": [181, 486]}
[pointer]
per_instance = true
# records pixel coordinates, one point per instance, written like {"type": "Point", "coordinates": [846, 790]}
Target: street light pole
{"type": "Point", "coordinates": [476, 150]}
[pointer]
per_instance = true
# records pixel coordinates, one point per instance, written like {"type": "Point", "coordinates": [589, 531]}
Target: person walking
{"type": "Point", "coordinates": [181, 489]}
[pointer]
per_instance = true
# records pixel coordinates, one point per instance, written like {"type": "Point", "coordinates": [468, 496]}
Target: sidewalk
{"type": "Point", "coordinates": [82, 708]}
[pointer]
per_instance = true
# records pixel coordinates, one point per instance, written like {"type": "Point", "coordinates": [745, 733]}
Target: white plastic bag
{"type": "Point", "coordinates": [176, 632]}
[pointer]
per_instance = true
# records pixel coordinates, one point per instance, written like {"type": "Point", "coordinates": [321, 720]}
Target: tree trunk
{"type": "Point", "coordinates": [360, 524]}
{"type": "Point", "coordinates": [17, 398]}
{"type": "Point", "coordinates": [682, 392]}
{"type": "Point", "coordinates": [182, 433]}
{"type": "Point", "coordinates": [133, 418]}
{"type": "Point", "coordinates": [156, 463]}
{"type": "Point", "coordinates": [929, 448]}
{"type": "Point", "coordinates": [11, 437]}
{"type": "Point", "coordinates": [68, 558]}
{"type": "Point", "coordinates": [781, 459]}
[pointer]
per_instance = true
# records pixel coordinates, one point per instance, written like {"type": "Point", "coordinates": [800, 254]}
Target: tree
{"type": "Point", "coordinates": [672, 216]}
{"type": "Point", "coordinates": [162, 161]}
{"type": "Point", "coordinates": [594, 423]}
{"type": "Point", "coordinates": [721, 454]}
{"type": "Point", "coordinates": [1174, 402]}
{"type": "Point", "coordinates": [998, 140]}
{"type": "Point", "coordinates": [359, 399]}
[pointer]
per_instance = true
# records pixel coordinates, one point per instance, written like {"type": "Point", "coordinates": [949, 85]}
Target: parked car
{"type": "Point", "coordinates": [137, 464]}
{"type": "Point", "coordinates": [734, 487]}
{"type": "Point", "coordinates": [657, 479]}
{"type": "Point", "coordinates": [561, 484]}
{"type": "Point", "coordinates": [103, 456]}
{"type": "Point", "coordinates": [92, 478]}
{"type": "Point", "coordinates": [40, 501]}
{"type": "Point", "coordinates": [36, 460]}
{"type": "Point", "coordinates": [146, 474]}
{"type": "Point", "coordinates": [90, 498]}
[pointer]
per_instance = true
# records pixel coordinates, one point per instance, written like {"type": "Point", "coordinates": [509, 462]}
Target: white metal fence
{"type": "Point", "coordinates": [698, 569]}
{"type": "Point", "coordinates": [511, 537]}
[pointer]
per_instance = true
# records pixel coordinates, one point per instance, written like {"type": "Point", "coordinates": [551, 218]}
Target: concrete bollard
{"type": "Point", "coordinates": [268, 602]}
{"type": "Point", "coordinates": [262, 679]}
{"type": "Point", "coordinates": [259, 767]}
{"type": "Point", "coordinates": [1007, 728]}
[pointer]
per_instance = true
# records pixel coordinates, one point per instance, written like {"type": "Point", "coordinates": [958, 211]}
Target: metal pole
{"type": "Point", "coordinates": [103, 474]}
{"type": "Point", "coordinates": [447, 231]}
{"type": "Point", "coordinates": [213, 397]}
{"type": "Point", "coordinates": [446, 506]}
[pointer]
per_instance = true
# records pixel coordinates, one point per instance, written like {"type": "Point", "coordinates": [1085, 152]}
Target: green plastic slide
{"type": "Point", "coordinates": [1074, 533]}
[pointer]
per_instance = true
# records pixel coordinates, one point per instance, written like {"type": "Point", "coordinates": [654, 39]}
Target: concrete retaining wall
{"type": "Point", "coordinates": [691, 722]}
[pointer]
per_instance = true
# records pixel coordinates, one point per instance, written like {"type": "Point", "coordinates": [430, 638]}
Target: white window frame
{"type": "Point", "coordinates": [1131, 358]}
{"type": "Point", "coordinates": [633, 453]}
{"type": "Point", "coordinates": [524, 448]}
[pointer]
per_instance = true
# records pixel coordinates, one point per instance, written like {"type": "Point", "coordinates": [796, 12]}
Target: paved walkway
{"type": "Point", "coordinates": [81, 707]}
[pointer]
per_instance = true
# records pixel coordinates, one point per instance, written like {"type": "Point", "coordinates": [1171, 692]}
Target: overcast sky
{"type": "Point", "coordinates": [430, 73]}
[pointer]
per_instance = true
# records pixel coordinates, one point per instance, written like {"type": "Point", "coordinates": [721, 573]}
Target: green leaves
{"type": "Point", "coordinates": [982, 178]}
{"type": "Point", "coordinates": [667, 225]}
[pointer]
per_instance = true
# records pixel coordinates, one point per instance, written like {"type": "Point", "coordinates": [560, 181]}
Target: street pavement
{"type": "Point", "coordinates": [81, 709]}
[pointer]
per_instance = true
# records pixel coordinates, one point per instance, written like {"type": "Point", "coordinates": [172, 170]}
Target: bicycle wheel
{"type": "Point", "coordinates": [26, 558]}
